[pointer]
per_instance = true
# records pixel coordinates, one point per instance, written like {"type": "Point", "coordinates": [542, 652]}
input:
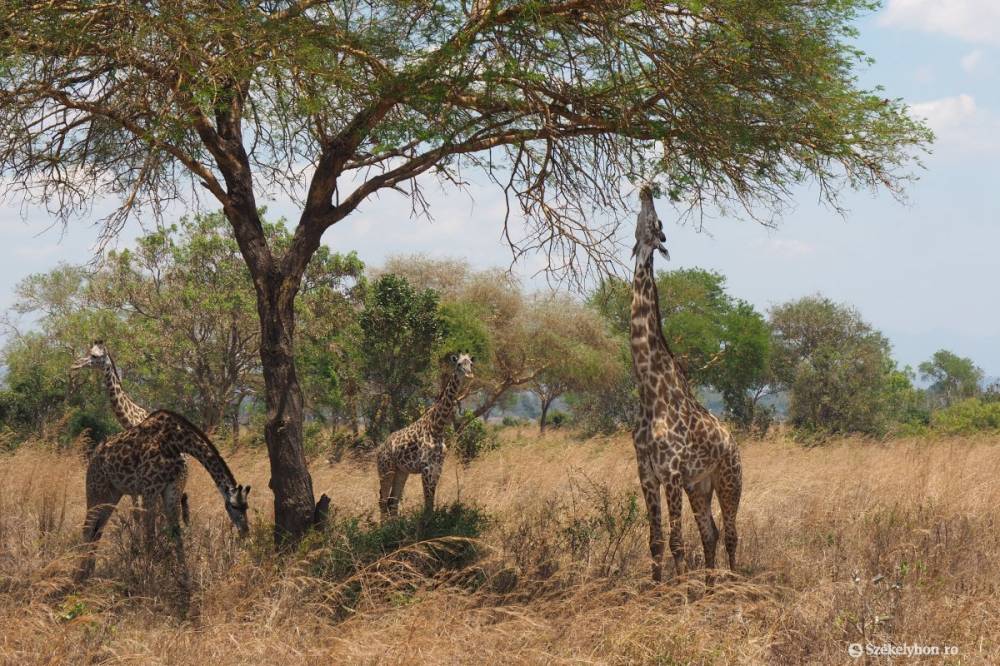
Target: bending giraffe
{"type": "Point", "coordinates": [679, 444]}
{"type": "Point", "coordinates": [147, 460]}
{"type": "Point", "coordinates": [129, 413]}
{"type": "Point", "coordinates": [419, 447]}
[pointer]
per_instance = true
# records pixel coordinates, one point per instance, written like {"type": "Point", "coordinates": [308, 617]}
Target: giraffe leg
{"type": "Point", "coordinates": [100, 506]}
{"type": "Point", "coordinates": [171, 501]}
{"type": "Point", "coordinates": [150, 507]}
{"type": "Point", "coordinates": [185, 509]}
{"type": "Point", "coordinates": [429, 476]}
{"type": "Point", "coordinates": [700, 496]}
{"type": "Point", "coordinates": [385, 480]}
{"type": "Point", "coordinates": [729, 487]}
{"type": "Point", "coordinates": [651, 493]}
{"type": "Point", "coordinates": [179, 485]}
{"type": "Point", "coordinates": [396, 496]}
{"type": "Point", "coordinates": [675, 502]}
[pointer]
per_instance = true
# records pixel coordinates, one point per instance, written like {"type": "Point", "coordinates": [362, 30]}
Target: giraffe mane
{"type": "Point", "coordinates": [198, 431]}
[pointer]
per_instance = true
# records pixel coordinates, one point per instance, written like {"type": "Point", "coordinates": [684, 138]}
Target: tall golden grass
{"type": "Point", "coordinates": [851, 542]}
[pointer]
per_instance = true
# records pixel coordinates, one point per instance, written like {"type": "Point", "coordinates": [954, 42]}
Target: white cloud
{"type": "Point", "coordinates": [972, 60]}
{"type": "Point", "coordinates": [960, 124]}
{"type": "Point", "coordinates": [788, 248]}
{"type": "Point", "coordinates": [947, 112]}
{"type": "Point", "coordinates": [976, 21]}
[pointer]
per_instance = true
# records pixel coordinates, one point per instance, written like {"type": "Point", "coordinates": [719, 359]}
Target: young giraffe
{"type": "Point", "coordinates": [147, 460]}
{"type": "Point", "coordinates": [128, 413]}
{"type": "Point", "coordinates": [419, 447]}
{"type": "Point", "coordinates": [678, 443]}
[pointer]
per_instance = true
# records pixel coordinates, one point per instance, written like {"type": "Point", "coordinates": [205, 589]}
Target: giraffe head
{"type": "Point", "coordinates": [649, 234]}
{"type": "Point", "coordinates": [97, 357]}
{"type": "Point", "coordinates": [236, 507]}
{"type": "Point", "coordinates": [461, 365]}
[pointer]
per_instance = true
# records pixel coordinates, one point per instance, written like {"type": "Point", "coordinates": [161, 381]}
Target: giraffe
{"type": "Point", "coordinates": [419, 447]}
{"type": "Point", "coordinates": [679, 444]}
{"type": "Point", "coordinates": [129, 413]}
{"type": "Point", "coordinates": [147, 460]}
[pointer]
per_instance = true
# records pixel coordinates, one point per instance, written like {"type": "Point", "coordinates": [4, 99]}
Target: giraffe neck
{"type": "Point", "coordinates": [126, 410]}
{"type": "Point", "coordinates": [651, 357]}
{"type": "Point", "coordinates": [196, 444]}
{"type": "Point", "coordinates": [444, 407]}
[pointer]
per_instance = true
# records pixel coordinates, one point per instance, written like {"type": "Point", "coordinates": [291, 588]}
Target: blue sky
{"type": "Point", "coordinates": [922, 272]}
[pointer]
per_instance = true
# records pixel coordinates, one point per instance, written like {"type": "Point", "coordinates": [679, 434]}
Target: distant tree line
{"type": "Point", "coordinates": [179, 316]}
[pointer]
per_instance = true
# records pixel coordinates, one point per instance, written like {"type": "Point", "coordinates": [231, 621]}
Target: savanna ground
{"type": "Point", "coordinates": [850, 542]}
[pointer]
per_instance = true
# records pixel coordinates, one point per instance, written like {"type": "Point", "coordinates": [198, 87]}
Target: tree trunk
{"type": "Point", "coordinates": [234, 426]}
{"type": "Point", "coordinates": [294, 503]}
{"type": "Point", "coordinates": [545, 411]}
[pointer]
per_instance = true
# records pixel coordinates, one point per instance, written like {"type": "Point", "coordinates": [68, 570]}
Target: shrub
{"type": "Point", "coordinates": [968, 416]}
{"type": "Point", "coordinates": [395, 557]}
{"type": "Point", "coordinates": [474, 438]}
{"type": "Point", "coordinates": [511, 421]}
{"type": "Point", "coordinates": [96, 426]}
{"type": "Point", "coordinates": [763, 418]}
{"type": "Point", "coordinates": [558, 419]}
{"type": "Point", "coordinates": [342, 439]}
{"type": "Point", "coordinates": [313, 439]}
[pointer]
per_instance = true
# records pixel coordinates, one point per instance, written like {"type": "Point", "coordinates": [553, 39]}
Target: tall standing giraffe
{"type": "Point", "coordinates": [679, 444]}
{"type": "Point", "coordinates": [419, 447]}
{"type": "Point", "coordinates": [129, 413]}
{"type": "Point", "coordinates": [146, 460]}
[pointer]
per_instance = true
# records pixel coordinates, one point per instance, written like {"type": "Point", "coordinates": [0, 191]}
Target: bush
{"type": "Point", "coordinates": [342, 439]}
{"type": "Point", "coordinates": [97, 427]}
{"type": "Point", "coordinates": [511, 421]}
{"type": "Point", "coordinates": [396, 557]}
{"type": "Point", "coordinates": [313, 439]}
{"type": "Point", "coordinates": [558, 419]}
{"type": "Point", "coordinates": [968, 416]}
{"type": "Point", "coordinates": [474, 438]}
{"type": "Point", "coordinates": [763, 419]}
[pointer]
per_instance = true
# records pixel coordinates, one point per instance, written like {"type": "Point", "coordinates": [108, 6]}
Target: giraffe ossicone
{"type": "Point", "coordinates": [419, 448]}
{"type": "Point", "coordinates": [679, 445]}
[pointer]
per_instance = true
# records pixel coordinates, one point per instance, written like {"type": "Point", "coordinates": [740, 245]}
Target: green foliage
{"type": "Point", "coordinates": [179, 316]}
{"type": "Point", "coordinates": [96, 424]}
{"type": "Point", "coordinates": [327, 355]}
{"type": "Point", "coordinates": [953, 378]}
{"type": "Point", "coordinates": [837, 368]}
{"type": "Point", "coordinates": [966, 417]}
{"type": "Point", "coordinates": [400, 328]}
{"type": "Point", "coordinates": [314, 437]}
{"type": "Point", "coordinates": [36, 383]}
{"type": "Point", "coordinates": [722, 342]}
{"type": "Point", "coordinates": [558, 419]}
{"type": "Point", "coordinates": [743, 372]}
{"type": "Point", "coordinates": [445, 540]}
{"type": "Point", "coordinates": [611, 407]}
{"type": "Point", "coordinates": [474, 438]}
{"type": "Point", "coordinates": [576, 349]}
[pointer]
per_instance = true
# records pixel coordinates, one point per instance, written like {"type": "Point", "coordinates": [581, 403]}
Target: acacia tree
{"type": "Point", "coordinates": [557, 102]}
{"type": "Point", "coordinates": [952, 377]}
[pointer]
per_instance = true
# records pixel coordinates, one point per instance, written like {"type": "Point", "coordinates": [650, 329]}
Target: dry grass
{"type": "Point", "coordinates": [850, 542]}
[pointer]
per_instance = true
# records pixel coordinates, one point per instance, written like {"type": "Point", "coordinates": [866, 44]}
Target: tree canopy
{"type": "Point", "coordinates": [557, 102]}
{"type": "Point", "coordinates": [952, 377]}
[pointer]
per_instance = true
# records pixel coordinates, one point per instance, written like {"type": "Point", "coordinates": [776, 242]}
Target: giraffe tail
{"type": "Point", "coordinates": [185, 511]}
